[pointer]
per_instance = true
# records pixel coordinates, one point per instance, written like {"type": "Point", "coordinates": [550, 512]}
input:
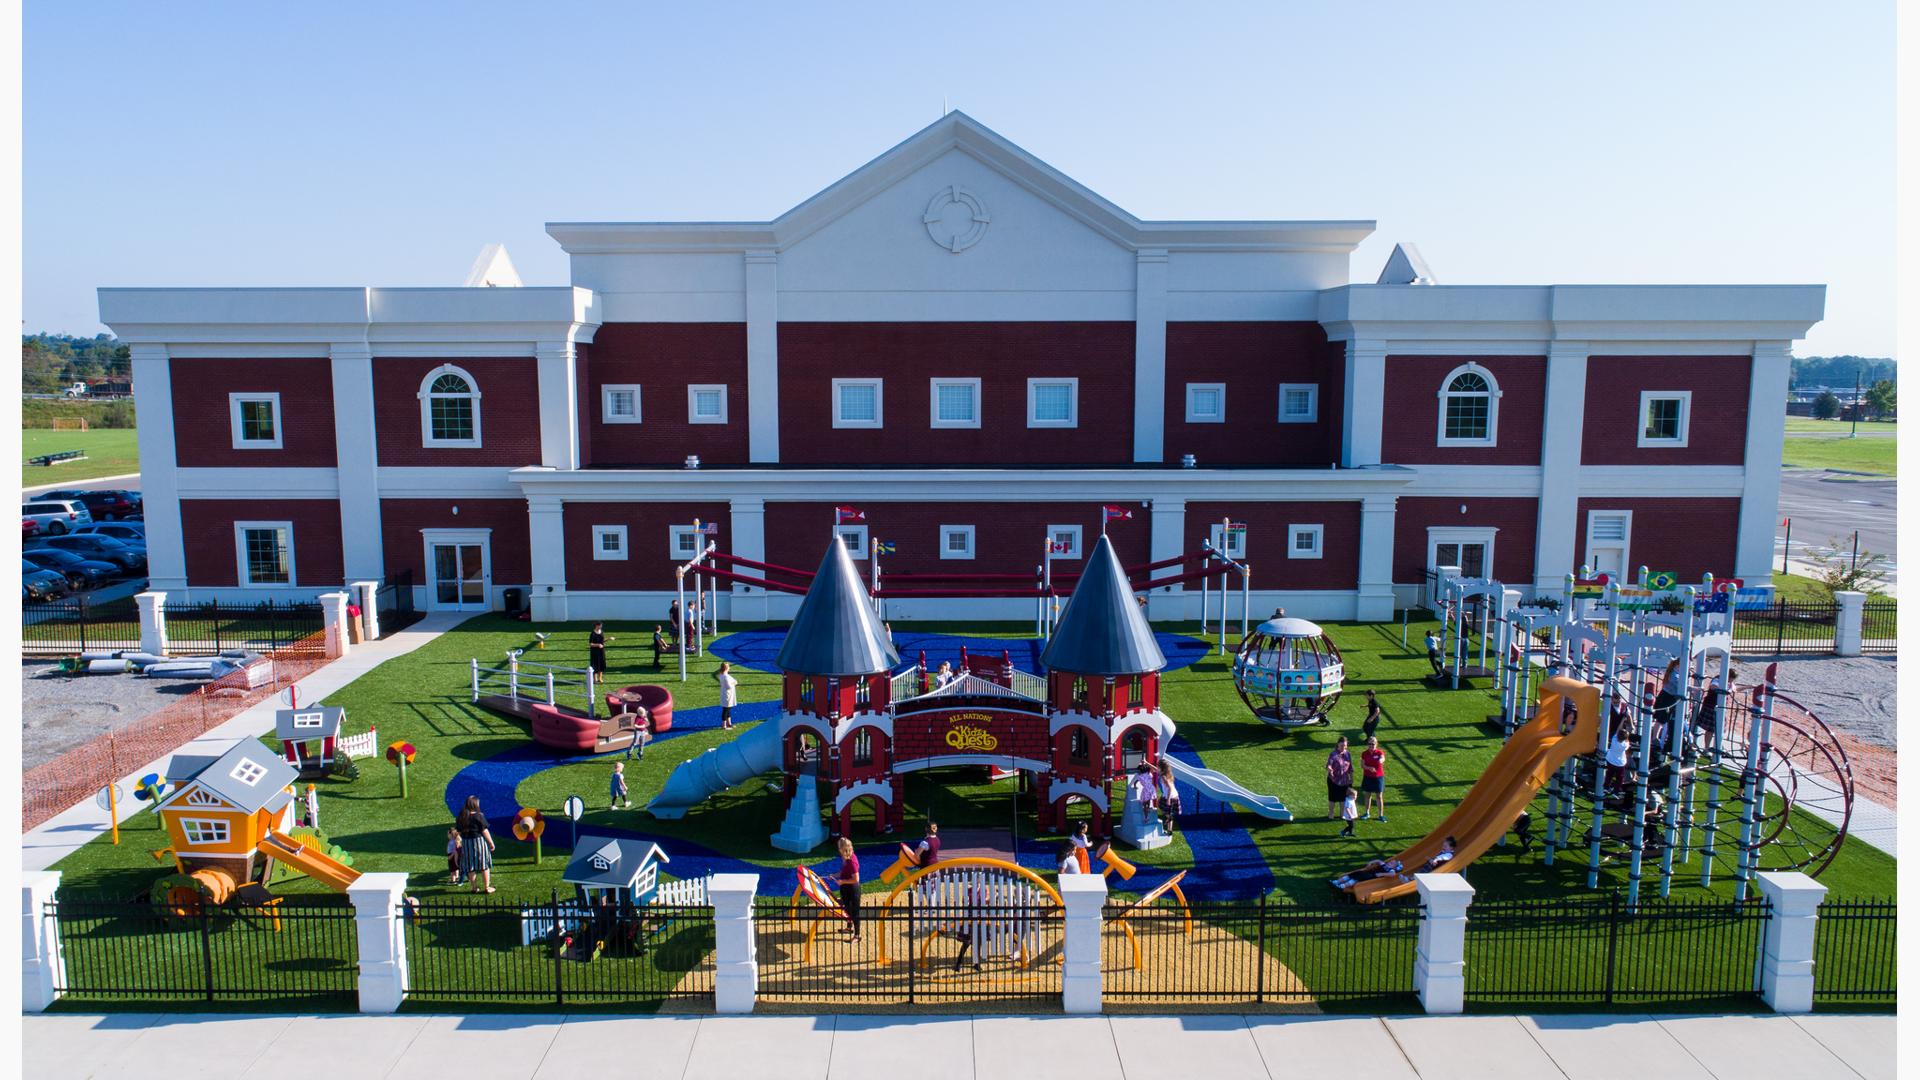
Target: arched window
{"type": "Point", "coordinates": [449, 408]}
{"type": "Point", "coordinates": [1079, 749]}
{"type": "Point", "coordinates": [863, 746]}
{"type": "Point", "coordinates": [1469, 407]}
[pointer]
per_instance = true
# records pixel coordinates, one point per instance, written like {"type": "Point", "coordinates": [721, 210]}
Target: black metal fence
{"type": "Point", "coordinates": [1343, 957]}
{"type": "Point", "coordinates": [297, 954]}
{"type": "Point", "coordinates": [208, 627]}
{"type": "Point", "coordinates": [991, 956]}
{"type": "Point", "coordinates": [1855, 953]}
{"type": "Point", "coordinates": [393, 602]}
{"type": "Point", "coordinates": [1786, 626]}
{"type": "Point", "coordinates": [484, 949]}
{"type": "Point", "coordinates": [1880, 626]}
{"type": "Point", "coordinates": [1596, 950]}
{"type": "Point", "coordinates": [76, 625]}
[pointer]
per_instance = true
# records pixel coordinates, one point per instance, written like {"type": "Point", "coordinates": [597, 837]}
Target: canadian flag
{"type": "Point", "coordinates": [1059, 547]}
{"type": "Point", "coordinates": [847, 515]}
{"type": "Point", "coordinates": [1117, 513]}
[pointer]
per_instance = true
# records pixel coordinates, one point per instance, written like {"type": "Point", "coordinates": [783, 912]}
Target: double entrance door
{"type": "Point", "coordinates": [460, 572]}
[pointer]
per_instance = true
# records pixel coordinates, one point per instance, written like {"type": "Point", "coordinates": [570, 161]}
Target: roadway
{"type": "Point", "coordinates": [1827, 507]}
{"type": "Point", "coordinates": [127, 482]}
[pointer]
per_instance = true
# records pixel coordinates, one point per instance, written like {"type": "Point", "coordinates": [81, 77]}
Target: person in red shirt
{"type": "Point", "coordinates": [1373, 778]}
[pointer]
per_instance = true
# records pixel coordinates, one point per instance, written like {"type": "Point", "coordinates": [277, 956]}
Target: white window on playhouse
{"type": "Point", "coordinates": [203, 797]}
{"type": "Point", "coordinates": [248, 771]}
{"type": "Point", "coordinates": [204, 830]}
{"type": "Point", "coordinates": [309, 719]}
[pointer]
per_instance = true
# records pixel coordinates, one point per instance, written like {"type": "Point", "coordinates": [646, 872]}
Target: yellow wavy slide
{"type": "Point", "coordinates": [314, 864]}
{"type": "Point", "coordinates": [1516, 774]}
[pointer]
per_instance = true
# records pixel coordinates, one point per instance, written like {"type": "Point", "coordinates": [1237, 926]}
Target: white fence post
{"type": "Point", "coordinates": [153, 622]}
{"type": "Point", "coordinates": [1849, 622]}
{"type": "Point", "coordinates": [333, 612]}
{"type": "Point", "coordinates": [41, 966]}
{"type": "Point", "coordinates": [367, 595]}
{"type": "Point", "coordinates": [1439, 960]}
{"type": "Point", "coordinates": [736, 970]}
{"type": "Point", "coordinates": [383, 941]}
{"type": "Point", "coordinates": [1786, 953]}
{"type": "Point", "coordinates": [1084, 895]}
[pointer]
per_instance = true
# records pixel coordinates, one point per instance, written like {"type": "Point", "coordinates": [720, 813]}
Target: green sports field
{"type": "Point", "coordinates": [110, 452]}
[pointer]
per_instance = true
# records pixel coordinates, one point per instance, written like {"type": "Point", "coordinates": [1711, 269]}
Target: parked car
{"type": "Point", "coordinates": [56, 516]}
{"type": "Point", "coordinates": [80, 571]}
{"type": "Point", "coordinates": [28, 527]}
{"type": "Point", "coordinates": [102, 548]}
{"type": "Point", "coordinates": [127, 532]}
{"type": "Point", "coordinates": [106, 504]}
{"type": "Point", "coordinates": [41, 583]}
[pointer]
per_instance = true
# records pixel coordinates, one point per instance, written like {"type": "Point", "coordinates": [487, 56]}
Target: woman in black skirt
{"type": "Point", "coordinates": [597, 650]}
{"type": "Point", "coordinates": [476, 845]}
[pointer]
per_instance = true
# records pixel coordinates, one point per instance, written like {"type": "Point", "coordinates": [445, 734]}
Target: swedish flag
{"type": "Point", "coordinates": [883, 547]}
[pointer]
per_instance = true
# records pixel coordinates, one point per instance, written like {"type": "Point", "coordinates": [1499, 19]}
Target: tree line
{"type": "Point", "coordinates": [1840, 371]}
{"type": "Point", "coordinates": [51, 362]}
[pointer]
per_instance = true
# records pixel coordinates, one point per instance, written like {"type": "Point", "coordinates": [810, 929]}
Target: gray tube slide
{"type": "Point", "coordinates": [727, 765]}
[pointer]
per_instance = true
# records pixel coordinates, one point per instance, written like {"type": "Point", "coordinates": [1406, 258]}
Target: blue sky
{"type": "Point", "coordinates": [249, 144]}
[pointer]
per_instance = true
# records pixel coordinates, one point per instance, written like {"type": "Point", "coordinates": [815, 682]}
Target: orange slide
{"type": "Point", "coordinates": [316, 865]}
{"type": "Point", "coordinates": [1517, 773]}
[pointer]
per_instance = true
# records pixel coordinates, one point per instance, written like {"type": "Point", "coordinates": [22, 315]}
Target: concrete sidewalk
{"type": "Point", "coordinates": [73, 1047]}
{"type": "Point", "coordinates": [67, 831]}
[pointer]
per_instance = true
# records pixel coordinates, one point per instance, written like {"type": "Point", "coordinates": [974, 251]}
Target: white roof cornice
{"type": "Point", "coordinates": [176, 316]}
{"type": "Point", "coordinates": [957, 130]}
{"type": "Point", "coordinates": [1596, 313]}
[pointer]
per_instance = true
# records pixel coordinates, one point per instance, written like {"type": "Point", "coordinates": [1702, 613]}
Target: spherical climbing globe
{"type": "Point", "coordinates": [1289, 673]}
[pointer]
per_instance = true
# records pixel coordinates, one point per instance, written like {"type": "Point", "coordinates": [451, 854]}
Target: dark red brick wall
{"type": "Point", "coordinates": [203, 421]}
{"type": "Point", "coordinates": [664, 358]}
{"type": "Point", "coordinates": [1716, 429]}
{"type": "Point", "coordinates": [1007, 536]}
{"type": "Point", "coordinates": [1410, 421]}
{"type": "Point", "coordinates": [586, 407]}
{"type": "Point", "coordinates": [1513, 545]}
{"type": "Point", "coordinates": [212, 557]}
{"type": "Point", "coordinates": [648, 564]}
{"type": "Point", "coordinates": [1003, 356]}
{"type": "Point", "coordinates": [509, 411]}
{"type": "Point", "coordinates": [402, 519]}
{"type": "Point", "coordinates": [1253, 359]}
{"type": "Point", "coordinates": [1688, 537]}
{"type": "Point", "coordinates": [1337, 568]}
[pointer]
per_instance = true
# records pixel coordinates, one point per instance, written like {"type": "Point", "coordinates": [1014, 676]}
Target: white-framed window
{"type": "Point", "coordinates": [855, 537]}
{"type": "Point", "coordinates": [256, 420]}
{"type": "Point", "coordinates": [202, 797]}
{"type": "Point", "coordinates": [707, 403]}
{"type": "Point", "coordinates": [200, 831]}
{"type": "Point", "coordinates": [1053, 403]}
{"type": "Point", "coordinates": [683, 542]}
{"type": "Point", "coordinates": [311, 719]}
{"type": "Point", "coordinates": [1304, 541]}
{"type": "Point", "coordinates": [1610, 543]}
{"type": "Point", "coordinates": [956, 541]}
{"type": "Point", "coordinates": [858, 403]}
{"type": "Point", "coordinates": [954, 403]}
{"type": "Point", "coordinates": [1064, 541]}
{"type": "Point", "coordinates": [1467, 547]}
{"type": "Point", "coordinates": [263, 551]}
{"type": "Point", "coordinates": [620, 403]}
{"type": "Point", "coordinates": [1299, 403]}
{"type": "Point", "coordinates": [1665, 416]}
{"type": "Point", "coordinates": [449, 408]}
{"type": "Point", "coordinates": [1469, 407]}
{"type": "Point", "coordinates": [1206, 403]}
{"type": "Point", "coordinates": [1231, 542]}
{"type": "Point", "coordinates": [247, 771]}
{"type": "Point", "coordinates": [610, 543]}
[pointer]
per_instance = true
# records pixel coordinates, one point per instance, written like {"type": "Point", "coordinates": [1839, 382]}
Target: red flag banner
{"type": "Point", "coordinates": [1117, 513]}
{"type": "Point", "coordinates": [847, 515]}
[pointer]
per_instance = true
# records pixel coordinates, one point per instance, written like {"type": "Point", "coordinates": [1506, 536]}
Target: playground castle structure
{"type": "Point", "coordinates": [853, 728]}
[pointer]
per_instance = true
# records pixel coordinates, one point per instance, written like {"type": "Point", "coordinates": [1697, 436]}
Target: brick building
{"type": "Point", "coordinates": [978, 353]}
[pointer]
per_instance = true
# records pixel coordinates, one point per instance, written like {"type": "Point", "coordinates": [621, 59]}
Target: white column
{"type": "Point", "coordinates": [1786, 951]}
{"type": "Point", "coordinates": [367, 595]}
{"type": "Point", "coordinates": [159, 469]}
{"type": "Point", "coordinates": [1150, 355]}
{"type": "Point", "coordinates": [1165, 541]}
{"type": "Point", "coordinates": [748, 540]}
{"type": "Point", "coordinates": [1565, 426]}
{"type": "Point", "coordinates": [1083, 895]}
{"type": "Point", "coordinates": [763, 356]}
{"type": "Point", "coordinates": [1375, 600]}
{"type": "Point", "coordinates": [1439, 959]}
{"type": "Point", "coordinates": [153, 622]}
{"type": "Point", "coordinates": [559, 404]}
{"type": "Point", "coordinates": [357, 458]}
{"type": "Point", "coordinates": [41, 966]}
{"type": "Point", "coordinates": [1766, 440]}
{"type": "Point", "coordinates": [1363, 403]}
{"type": "Point", "coordinates": [333, 617]}
{"type": "Point", "coordinates": [736, 968]}
{"type": "Point", "coordinates": [547, 548]}
{"type": "Point", "coordinates": [1848, 622]}
{"type": "Point", "coordinates": [380, 931]}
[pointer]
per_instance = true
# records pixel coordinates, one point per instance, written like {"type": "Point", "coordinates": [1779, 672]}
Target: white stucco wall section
{"type": "Point", "coordinates": [762, 284]}
{"type": "Point", "coordinates": [1564, 426]}
{"type": "Point", "coordinates": [1766, 441]}
{"type": "Point", "coordinates": [159, 483]}
{"type": "Point", "coordinates": [357, 477]}
{"type": "Point", "coordinates": [1149, 355]}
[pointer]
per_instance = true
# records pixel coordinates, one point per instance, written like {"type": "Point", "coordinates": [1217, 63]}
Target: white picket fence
{"type": "Point", "coordinates": [363, 745]}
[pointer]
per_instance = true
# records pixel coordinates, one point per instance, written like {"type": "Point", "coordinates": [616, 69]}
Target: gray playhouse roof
{"type": "Point", "coordinates": [249, 776]}
{"type": "Point", "coordinates": [313, 722]}
{"type": "Point", "coordinates": [609, 862]}
{"type": "Point", "coordinates": [1102, 632]}
{"type": "Point", "coordinates": [834, 632]}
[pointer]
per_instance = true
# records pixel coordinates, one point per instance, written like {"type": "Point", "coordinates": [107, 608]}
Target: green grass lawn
{"type": "Point", "coordinates": [1875, 454]}
{"type": "Point", "coordinates": [110, 452]}
{"type": "Point", "coordinates": [1802, 425]}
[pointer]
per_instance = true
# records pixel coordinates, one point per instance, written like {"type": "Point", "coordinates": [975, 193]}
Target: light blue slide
{"type": "Point", "coordinates": [727, 765]}
{"type": "Point", "coordinates": [1220, 787]}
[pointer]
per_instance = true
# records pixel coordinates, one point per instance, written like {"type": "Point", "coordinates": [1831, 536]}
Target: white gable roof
{"type": "Point", "coordinates": [493, 268]}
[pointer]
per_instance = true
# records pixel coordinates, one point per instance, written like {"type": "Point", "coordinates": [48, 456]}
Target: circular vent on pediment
{"type": "Point", "coordinates": [956, 219]}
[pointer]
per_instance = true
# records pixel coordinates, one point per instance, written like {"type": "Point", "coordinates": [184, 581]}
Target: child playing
{"type": "Point", "coordinates": [617, 787]}
{"type": "Point", "coordinates": [453, 855]}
